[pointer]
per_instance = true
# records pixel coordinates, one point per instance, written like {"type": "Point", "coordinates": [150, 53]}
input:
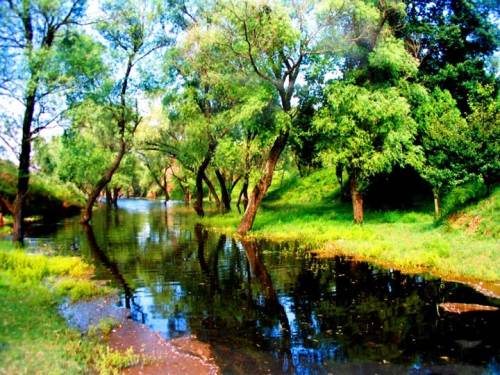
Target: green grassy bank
{"type": "Point", "coordinates": [463, 246]}
{"type": "Point", "coordinates": [34, 339]}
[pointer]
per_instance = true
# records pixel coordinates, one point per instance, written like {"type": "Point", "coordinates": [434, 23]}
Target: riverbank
{"type": "Point", "coordinates": [462, 247]}
{"type": "Point", "coordinates": [34, 337]}
{"type": "Point", "coordinates": [47, 195]}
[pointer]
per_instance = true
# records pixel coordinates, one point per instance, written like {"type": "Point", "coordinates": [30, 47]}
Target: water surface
{"type": "Point", "coordinates": [269, 308]}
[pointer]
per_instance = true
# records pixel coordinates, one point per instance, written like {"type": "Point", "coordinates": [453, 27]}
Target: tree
{"type": "Point", "coordinates": [445, 139]}
{"type": "Point", "coordinates": [81, 158]}
{"type": "Point", "coordinates": [453, 40]}
{"type": "Point", "coordinates": [206, 100]}
{"type": "Point", "coordinates": [273, 43]}
{"type": "Point", "coordinates": [368, 129]}
{"type": "Point", "coordinates": [133, 31]}
{"type": "Point", "coordinates": [47, 60]}
{"type": "Point", "coordinates": [484, 123]}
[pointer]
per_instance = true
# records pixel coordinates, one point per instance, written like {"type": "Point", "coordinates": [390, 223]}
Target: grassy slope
{"type": "Point", "coordinates": [34, 339]}
{"type": "Point", "coordinates": [45, 194]}
{"type": "Point", "coordinates": [306, 210]}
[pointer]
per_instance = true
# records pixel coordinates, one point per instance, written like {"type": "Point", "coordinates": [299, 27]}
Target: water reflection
{"type": "Point", "coordinates": [265, 308]}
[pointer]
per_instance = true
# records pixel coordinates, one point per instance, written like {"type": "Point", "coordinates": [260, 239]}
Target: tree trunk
{"type": "Point", "coordinates": [338, 173]}
{"type": "Point", "coordinates": [165, 187]}
{"type": "Point", "coordinates": [243, 197]}
{"type": "Point", "coordinates": [101, 184]}
{"type": "Point", "coordinates": [2, 223]}
{"type": "Point", "coordinates": [5, 205]}
{"type": "Point", "coordinates": [198, 204]}
{"type": "Point", "coordinates": [437, 204]}
{"type": "Point", "coordinates": [23, 173]}
{"type": "Point", "coordinates": [108, 175]}
{"type": "Point", "coordinates": [225, 196]}
{"type": "Point", "coordinates": [357, 200]}
{"type": "Point", "coordinates": [263, 184]}
{"type": "Point", "coordinates": [116, 193]}
{"type": "Point", "coordinates": [109, 198]}
{"type": "Point", "coordinates": [212, 190]}
{"type": "Point", "coordinates": [187, 195]}
{"type": "Point", "coordinates": [200, 173]}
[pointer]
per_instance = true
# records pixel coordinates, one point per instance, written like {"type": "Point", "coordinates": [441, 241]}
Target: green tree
{"type": "Point", "coordinates": [133, 33]}
{"type": "Point", "coordinates": [368, 128]}
{"type": "Point", "coordinates": [47, 59]}
{"type": "Point", "coordinates": [484, 122]}
{"type": "Point", "coordinates": [273, 43]}
{"type": "Point", "coordinates": [208, 104]}
{"type": "Point", "coordinates": [454, 40]}
{"type": "Point", "coordinates": [445, 139]}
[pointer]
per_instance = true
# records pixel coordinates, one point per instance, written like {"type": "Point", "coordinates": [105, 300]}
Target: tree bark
{"type": "Point", "coordinates": [225, 196]}
{"type": "Point", "coordinates": [200, 174]}
{"type": "Point", "coordinates": [109, 197]}
{"type": "Point", "coordinates": [243, 197]}
{"type": "Point", "coordinates": [263, 184]}
{"type": "Point", "coordinates": [101, 184]}
{"type": "Point", "coordinates": [357, 200]}
{"type": "Point", "coordinates": [437, 204]}
{"type": "Point", "coordinates": [23, 174]}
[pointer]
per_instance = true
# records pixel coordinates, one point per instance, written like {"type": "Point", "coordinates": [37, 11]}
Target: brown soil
{"type": "Point", "coordinates": [183, 356]}
{"type": "Point", "coordinates": [469, 222]}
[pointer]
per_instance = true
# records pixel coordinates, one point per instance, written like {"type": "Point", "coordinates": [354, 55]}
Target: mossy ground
{"type": "Point", "coordinates": [309, 210]}
{"type": "Point", "coordinates": [34, 338]}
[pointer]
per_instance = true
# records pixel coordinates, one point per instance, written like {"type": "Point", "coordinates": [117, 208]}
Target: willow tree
{"type": "Point", "coordinates": [44, 58]}
{"type": "Point", "coordinates": [367, 125]}
{"type": "Point", "coordinates": [273, 43]}
{"type": "Point", "coordinates": [133, 32]}
{"type": "Point", "coordinates": [207, 98]}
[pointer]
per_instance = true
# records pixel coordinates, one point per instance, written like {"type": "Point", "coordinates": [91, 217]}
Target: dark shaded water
{"type": "Point", "coordinates": [267, 308]}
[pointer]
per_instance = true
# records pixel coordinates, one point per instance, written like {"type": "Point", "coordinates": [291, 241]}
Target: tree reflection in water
{"type": "Point", "coordinates": [265, 307]}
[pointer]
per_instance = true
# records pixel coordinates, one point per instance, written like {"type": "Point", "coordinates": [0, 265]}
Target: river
{"type": "Point", "coordinates": [275, 308]}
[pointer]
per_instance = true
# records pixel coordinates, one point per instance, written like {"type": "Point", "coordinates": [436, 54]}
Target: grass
{"type": "Point", "coordinates": [309, 210]}
{"type": "Point", "coordinates": [34, 338]}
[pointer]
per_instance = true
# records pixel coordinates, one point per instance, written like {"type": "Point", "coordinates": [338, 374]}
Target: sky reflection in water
{"type": "Point", "coordinates": [274, 308]}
